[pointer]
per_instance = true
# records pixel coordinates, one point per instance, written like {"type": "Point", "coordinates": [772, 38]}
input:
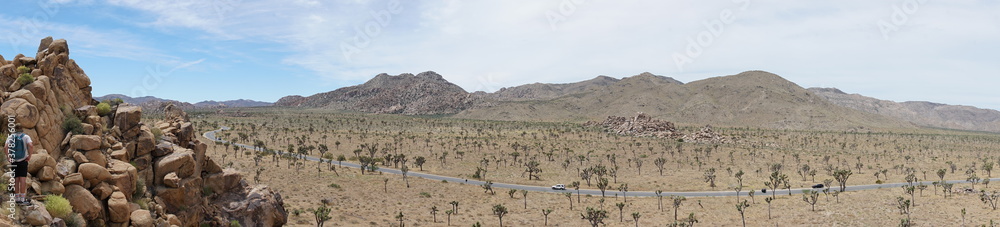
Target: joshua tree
{"type": "Point", "coordinates": [434, 212]}
{"type": "Point", "coordinates": [990, 199]}
{"type": "Point", "coordinates": [635, 217]}
{"type": "Point", "coordinates": [569, 195]}
{"type": "Point", "coordinates": [405, 170]}
{"type": "Point", "coordinates": [594, 216]}
{"type": "Point", "coordinates": [488, 186]}
{"type": "Point", "coordinates": [341, 159]}
{"type": "Point", "coordinates": [659, 164]}
{"type": "Point", "coordinates": [810, 197]}
{"type": "Point", "coordinates": [904, 206]}
{"type": "Point", "coordinates": [322, 215]}
{"type": "Point", "coordinates": [973, 179]}
{"type": "Point", "coordinates": [454, 205]}
{"type": "Point", "coordinates": [576, 185]}
{"type": "Point", "coordinates": [419, 161]}
{"type": "Point", "coordinates": [677, 204]}
{"type": "Point", "coordinates": [768, 200]}
{"type": "Point", "coordinates": [741, 207]}
{"type": "Point", "coordinates": [624, 189]}
{"type": "Point", "coordinates": [546, 213]}
{"type": "Point", "coordinates": [499, 211]}
{"type": "Point", "coordinates": [659, 198]}
{"type": "Point", "coordinates": [449, 213]}
{"type": "Point", "coordinates": [511, 192]}
{"type": "Point", "coordinates": [710, 177]}
{"type": "Point", "coordinates": [603, 185]}
{"type": "Point", "coordinates": [621, 208]}
{"type": "Point", "coordinates": [739, 183]}
{"type": "Point", "coordinates": [399, 217]}
{"type": "Point", "coordinates": [532, 169]}
{"type": "Point", "coordinates": [941, 173]}
{"type": "Point", "coordinates": [910, 190]}
{"type": "Point", "coordinates": [385, 185]}
{"type": "Point", "coordinates": [841, 176]}
{"type": "Point", "coordinates": [776, 180]}
{"type": "Point", "coordinates": [524, 194]}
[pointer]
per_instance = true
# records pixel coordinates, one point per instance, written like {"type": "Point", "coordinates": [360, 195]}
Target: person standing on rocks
{"type": "Point", "coordinates": [19, 147]}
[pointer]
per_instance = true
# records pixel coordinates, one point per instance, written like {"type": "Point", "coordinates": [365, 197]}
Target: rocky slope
{"type": "Point", "coordinates": [753, 98]}
{"type": "Point", "coordinates": [117, 171]}
{"type": "Point", "coordinates": [426, 93]}
{"type": "Point", "coordinates": [921, 113]}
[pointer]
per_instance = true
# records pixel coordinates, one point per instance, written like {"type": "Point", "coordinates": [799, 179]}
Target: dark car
{"type": "Point", "coordinates": [763, 190]}
{"type": "Point", "coordinates": [818, 186]}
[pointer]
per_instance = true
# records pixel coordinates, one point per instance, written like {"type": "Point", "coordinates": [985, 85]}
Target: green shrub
{"type": "Point", "coordinates": [23, 69]}
{"type": "Point", "coordinates": [103, 109]}
{"type": "Point", "coordinates": [58, 206]}
{"type": "Point", "coordinates": [72, 124]}
{"type": "Point", "coordinates": [425, 194]}
{"type": "Point", "coordinates": [157, 133]}
{"type": "Point", "coordinates": [25, 79]}
{"type": "Point", "coordinates": [75, 220]}
{"type": "Point", "coordinates": [234, 223]}
{"type": "Point", "coordinates": [334, 185]}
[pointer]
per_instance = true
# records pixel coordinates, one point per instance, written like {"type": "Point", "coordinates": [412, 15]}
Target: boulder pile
{"type": "Point", "coordinates": [705, 135]}
{"type": "Point", "coordinates": [641, 125]}
{"type": "Point", "coordinates": [116, 170]}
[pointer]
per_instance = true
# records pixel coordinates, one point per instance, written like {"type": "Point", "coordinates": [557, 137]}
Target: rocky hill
{"type": "Point", "coordinates": [154, 103]}
{"type": "Point", "coordinates": [921, 113]}
{"type": "Point", "coordinates": [426, 93]}
{"type": "Point", "coordinates": [114, 169]}
{"type": "Point", "coordinates": [753, 98]}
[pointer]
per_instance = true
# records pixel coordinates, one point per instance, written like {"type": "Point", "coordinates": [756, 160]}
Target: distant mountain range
{"type": "Point", "coordinates": [752, 98]}
{"type": "Point", "coordinates": [153, 103]}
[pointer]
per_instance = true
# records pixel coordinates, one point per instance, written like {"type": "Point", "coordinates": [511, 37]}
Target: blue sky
{"type": "Point", "coordinates": [194, 50]}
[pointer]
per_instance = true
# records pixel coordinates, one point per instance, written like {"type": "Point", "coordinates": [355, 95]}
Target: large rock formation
{"type": "Point", "coordinates": [117, 161]}
{"type": "Point", "coordinates": [426, 93]}
{"type": "Point", "coordinates": [641, 125]}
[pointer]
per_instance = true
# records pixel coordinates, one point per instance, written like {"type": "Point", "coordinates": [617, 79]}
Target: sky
{"type": "Point", "coordinates": [194, 50]}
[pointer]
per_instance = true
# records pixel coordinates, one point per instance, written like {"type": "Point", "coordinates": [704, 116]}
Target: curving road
{"type": "Point", "coordinates": [211, 136]}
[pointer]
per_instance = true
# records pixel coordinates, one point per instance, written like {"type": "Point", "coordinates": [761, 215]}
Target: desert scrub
{"type": "Point", "coordinates": [58, 206]}
{"type": "Point", "coordinates": [25, 79]}
{"type": "Point", "coordinates": [234, 223]}
{"type": "Point", "coordinates": [72, 124]}
{"type": "Point", "coordinates": [157, 133]}
{"type": "Point", "coordinates": [103, 109]}
{"type": "Point", "coordinates": [334, 185]}
{"type": "Point", "coordinates": [425, 194]}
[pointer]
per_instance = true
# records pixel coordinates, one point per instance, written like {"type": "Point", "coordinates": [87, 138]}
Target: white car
{"type": "Point", "coordinates": [559, 187]}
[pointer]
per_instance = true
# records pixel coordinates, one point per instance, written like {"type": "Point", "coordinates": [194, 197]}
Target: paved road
{"type": "Point", "coordinates": [211, 136]}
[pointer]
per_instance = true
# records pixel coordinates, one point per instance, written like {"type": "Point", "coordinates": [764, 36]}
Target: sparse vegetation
{"type": "Point", "coordinates": [58, 207]}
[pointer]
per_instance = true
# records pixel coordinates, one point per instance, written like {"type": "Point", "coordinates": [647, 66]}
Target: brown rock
{"type": "Point", "coordinates": [24, 113]}
{"type": "Point", "coordinates": [96, 157]}
{"type": "Point", "coordinates": [180, 162]}
{"type": "Point", "coordinates": [85, 142]}
{"type": "Point", "coordinates": [145, 143]}
{"type": "Point", "coordinates": [118, 208]}
{"type": "Point", "coordinates": [127, 116]}
{"type": "Point", "coordinates": [123, 176]}
{"type": "Point", "coordinates": [94, 173]}
{"type": "Point", "coordinates": [261, 207]}
{"type": "Point", "coordinates": [210, 166]}
{"type": "Point", "coordinates": [163, 149]}
{"type": "Point", "coordinates": [171, 180]}
{"type": "Point", "coordinates": [26, 95]}
{"type": "Point", "coordinates": [141, 218]}
{"type": "Point", "coordinates": [79, 157]}
{"type": "Point", "coordinates": [85, 111]}
{"type": "Point", "coordinates": [73, 178]}
{"type": "Point", "coordinates": [65, 167]}
{"type": "Point", "coordinates": [223, 182]}
{"type": "Point", "coordinates": [173, 220]}
{"type": "Point", "coordinates": [120, 155]}
{"type": "Point", "coordinates": [46, 173]}
{"type": "Point", "coordinates": [37, 215]}
{"type": "Point", "coordinates": [83, 202]}
{"type": "Point", "coordinates": [52, 187]}
{"type": "Point", "coordinates": [38, 161]}
{"type": "Point", "coordinates": [102, 190]}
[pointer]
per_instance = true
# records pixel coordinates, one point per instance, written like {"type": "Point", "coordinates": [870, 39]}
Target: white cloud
{"type": "Point", "coordinates": [491, 44]}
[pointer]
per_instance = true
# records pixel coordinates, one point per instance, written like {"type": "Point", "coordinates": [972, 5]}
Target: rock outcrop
{"type": "Point", "coordinates": [426, 93]}
{"type": "Point", "coordinates": [114, 161]}
{"type": "Point", "coordinates": [641, 125]}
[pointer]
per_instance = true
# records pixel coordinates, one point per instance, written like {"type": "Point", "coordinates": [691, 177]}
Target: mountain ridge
{"type": "Point", "coordinates": [923, 113]}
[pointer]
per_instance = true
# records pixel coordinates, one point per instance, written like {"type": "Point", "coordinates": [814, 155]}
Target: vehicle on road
{"type": "Point", "coordinates": [817, 186]}
{"type": "Point", "coordinates": [559, 187]}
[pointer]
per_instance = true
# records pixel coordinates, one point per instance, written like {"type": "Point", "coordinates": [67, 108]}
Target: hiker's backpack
{"type": "Point", "coordinates": [19, 148]}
